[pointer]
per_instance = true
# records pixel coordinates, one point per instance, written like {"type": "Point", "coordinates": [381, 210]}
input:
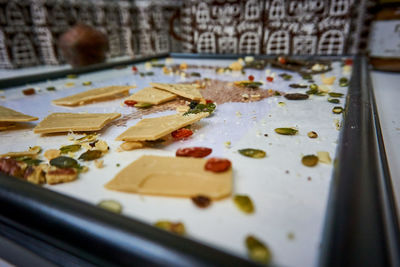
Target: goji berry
{"type": "Point", "coordinates": [282, 60]}
{"type": "Point", "coordinates": [251, 78]}
{"type": "Point", "coordinates": [217, 165]}
{"type": "Point", "coordinates": [195, 152]}
{"type": "Point", "coordinates": [270, 79]}
{"type": "Point", "coordinates": [348, 61]}
{"type": "Point", "coordinates": [181, 133]}
{"type": "Point", "coordinates": [130, 103]}
{"type": "Point", "coordinates": [201, 201]}
{"type": "Point", "coordinates": [208, 101]}
{"type": "Point", "coordinates": [29, 91]}
{"type": "Point", "coordinates": [134, 69]}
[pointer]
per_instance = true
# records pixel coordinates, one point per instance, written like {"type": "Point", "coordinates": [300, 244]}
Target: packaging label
{"type": "Point", "coordinates": [385, 39]}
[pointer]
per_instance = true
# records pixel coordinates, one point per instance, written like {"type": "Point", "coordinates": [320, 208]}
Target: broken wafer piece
{"type": "Point", "coordinates": [65, 122]}
{"type": "Point", "coordinates": [172, 176]}
{"type": "Point", "coordinates": [8, 116]}
{"type": "Point", "coordinates": [152, 95]}
{"type": "Point", "coordinates": [6, 125]}
{"type": "Point", "coordinates": [151, 129]}
{"type": "Point", "coordinates": [32, 152]}
{"type": "Point", "coordinates": [185, 90]}
{"type": "Point", "coordinates": [98, 94]}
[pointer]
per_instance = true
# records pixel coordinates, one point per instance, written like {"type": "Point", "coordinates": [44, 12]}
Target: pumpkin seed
{"type": "Point", "coordinates": [313, 87]}
{"type": "Point", "coordinates": [343, 82]}
{"type": "Point", "coordinates": [312, 134]}
{"type": "Point", "coordinates": [87, 83]}
{"type": "Point", "coordinates": [334, 94]}
{"type": "Point", "coordinates": [64, 162]}
{"type": "Point", "coordinates": [309, 160]}
{"type": "Point", "coordinates": [296, 85]}
{"type": "Point", "coordinates": [286, 131]}
{"type": "Point", "coordinates": [50, 88]}
{"type": "Point", "coordinates": [70, 148]}
{"type": "Point", "coordinates": [87, 138]}
{"type": "Point", "coordinates": [285, 76]}
{"type": "Point", "coordinates": [320, 93]}
{"type": "Point", "coordinates": [257, 250]}
{"type": "Point", "coordinates": [312, 91]}
{"type": "Point", "coordinates": [28, 160]}
{"type": "Point", "coordinates": [337, 110]}
{"type": "Point", "coordinates": [110, 205]}
{"type": "Point", "coordinates": [150, 73]}
{"type": "Point", "coordinates": [176, 228]}
{"type": "Point", "coordinates": [90, 155]}
{"type": "Point", "coordinates": [307, 76]}
{"type": "Point", "coordinates": [244, 203]}
{"type": "Point", "coordinates": [253, 153]}
{"type": "Point", "coordinates": [143, 105]}
{"type": "Point", "coordinates": [157, 65]}
{"type": "Point", "coordinates": [296, 96]}
{"type": "Point", "coordinates": [72, 76]}
{"type": "Point", "coordinates": [195, 74]}
{"type": "Point", "coordinates": [333, 100]}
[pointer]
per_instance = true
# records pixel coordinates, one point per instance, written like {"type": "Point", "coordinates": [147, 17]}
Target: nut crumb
{"type": "Point", "coordinates": [99, 163]}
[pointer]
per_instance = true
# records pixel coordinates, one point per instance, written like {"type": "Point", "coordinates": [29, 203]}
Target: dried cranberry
{"type": "Point", "coordinates": [130, 103]}
{"type": "Point", "coordinates": [195, 152]}
{"type": "Point", "coordinates": [270, 79]}
{"type": "Point", "coordinates": [29, 91]}
{"type": "Point", "coordinates": [209, 101]}
{"type": "Point", "coordinates": [134, 69]}
{"type": "Point", "coordinates": [251, 78]}
{"type": "Point", "coordinates": [201, 201]}
{"type": "Point", "coordinates": [181, 133]}
{"type": "Point", "coordinates": [217, 165]}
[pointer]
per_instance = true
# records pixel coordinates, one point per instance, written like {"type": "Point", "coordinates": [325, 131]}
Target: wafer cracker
{"type": "Point", "coordinates": [184, 90]}
{"type": "Point", "coordinates": [154, 128]}
{"type": "Point", "coordinates": [6, 125]}
{"type": "Point", "coordinates": [152, 95]}
{"type": "Point", "coordinates": [172, 176]}
{"type": "Point", "coordinates": [9, 115]}
{"type": "Point", "coordinates": [65, 122]}
{"type": "Point", "coordinates": [98, 94]}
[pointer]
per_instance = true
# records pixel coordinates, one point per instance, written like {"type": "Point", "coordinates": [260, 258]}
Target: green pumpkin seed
{"type": "Point", "coordinates": [50, 88]}
{"type": "Point", "coordinates": [343, 82]}
{"type": "Point", "coordinates": [143, 105]}
{"type": "Point", "coordinates": [110, 205]}
{"type": "Point", "coordinates": [28, 160]}
{"type": "Point", "coordinates": [176, 228]}
{"type": "Point", "coordinates": [64, 162]}
{"type": "Point", "coordinates": [195, 74]}
{"type": "Point", "coordinates": [87, 83]}
{"type": "Point", "coordinates": [244, 203]}
{"type": "Point", "coordinates": [91, 155]}
{"type": "Point", "coordinates": [333, 100]}
{"type": "Point", "coordinates": [150, 73]}
{"type": "Point", "coordinates": [72, 76]}
{"type": "Point", "coordinates": [157, 65]}
{"type": "Point", "coordinates": [312, 91]}
{"type": "Point", "coordinates": [253, 153]}
{"type": "Point", "coordinates": [320, 93]}
{"type": "Point", "coordinates": [307, 76]}
{"type": "Point", "coordinates": [286, 131]}
{"type": "Point", "coordinates": [87, 138]}
{"type": "Point", "coordinates": [70, 148]}
{"type": "Point", "coordinates": [296, 96]}
{"type": "Point", "coordinates": [337, 110]}
{"type": "Point", "coordinates": [334, 94]}
{"type": "Point", "coordinates": [257, 250]}
{"type": "Point", "coordinates": [297, 86]}
{"type": "Point", "coordinates": [309, 160]}
{"type": "Point", "coordinates": [313, 87]}
{"type": "Point", "coordinates": [312, 134]}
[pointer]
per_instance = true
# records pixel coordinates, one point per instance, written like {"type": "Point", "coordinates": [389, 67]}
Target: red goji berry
{"type": "Point", "coordinates": [282, 60]}
{"type": "Point", "coordinates": [208, 101]}
{"type": "Point", "coordinates": [251, 78]}
{"type": "Point", "coordinates": [181, 133]}
{"type": "Point", "coordinates": [217, 165]}
{"type": "Point", "coordinates": [195, 152]}
{"type": "Point", "coordinates": [270, 79]}
{"type": "Point", "coordinates": [134, 69]}
{"type": "Point", "coordinates": [348, 61]}
{"type": "Point", "coordinates": [29, 91]}
{"type": "Point", "coordinates": [130, 103]}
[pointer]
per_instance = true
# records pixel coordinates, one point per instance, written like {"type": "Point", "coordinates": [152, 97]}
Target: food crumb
{"type": "Point", "coordinates": [99, 163]}
{"type": "Point", "coordinates": [118, 165]}
{"type": "Point", "coordinates": [227, 144]}
{"type": "Point", "coordinates": [290, 236]}
{"type": "Point", "coordinates": [287, 171]}
{"type": "Point", "coordinates": [266, 135]}
{"type": "Point", "coordinates": [308, 178]}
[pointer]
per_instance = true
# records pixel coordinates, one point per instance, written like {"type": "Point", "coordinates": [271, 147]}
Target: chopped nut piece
{"type": "Point", "coordinates": [99, 163]}
{"type": "Point", "coordinates": [323, 157]}
{"type": "Point", "coordinates": [131, 145]}
{"type": "Point", "coordinates": [101, 145]}
{"type": "Point", "coordinates": [57, 175]}
{"type": "Point", "coordinates": [255, 97]}
{"type": "Point", "coordinates": [312, 134]}
{"type": "Point", "coordinates": [51, 154]}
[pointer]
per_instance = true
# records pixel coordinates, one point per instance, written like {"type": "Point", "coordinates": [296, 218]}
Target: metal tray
{"type": "Point", "coordinates": [360, 220]}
